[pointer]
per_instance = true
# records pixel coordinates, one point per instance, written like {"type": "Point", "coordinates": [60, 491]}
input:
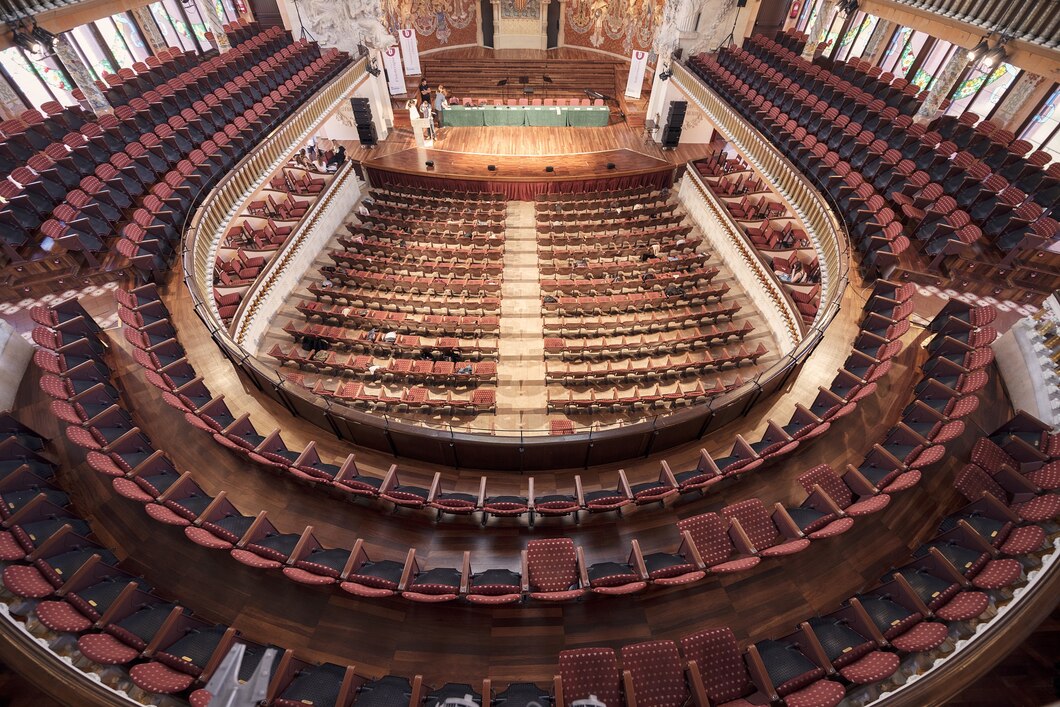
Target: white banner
{"type": "Point", "coordinates": [394, 76]}
{"type": "Point", "coordinates": [410, 51]}
{"type": "Point", "coordinates": [635, 81]}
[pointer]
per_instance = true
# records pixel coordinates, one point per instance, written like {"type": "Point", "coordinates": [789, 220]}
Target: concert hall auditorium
{"type": "Point", "coordinates": [529, 353]}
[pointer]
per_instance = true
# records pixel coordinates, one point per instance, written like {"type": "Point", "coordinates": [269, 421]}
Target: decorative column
{"type": "Point", "coordinates": [216, 25]}
{"type": "Point", "coordinates": [818, 28]}
{"type": "Point", "coordinates": [69, 57]}
{"type": "Point", "coordinates": [150, 31]}
{"type": "Point", "coordinates": [1026, 86]}
{"type": "Point", "coordinates": [943, 87]}
{"type": "Point", "coordinates": [879, 35]}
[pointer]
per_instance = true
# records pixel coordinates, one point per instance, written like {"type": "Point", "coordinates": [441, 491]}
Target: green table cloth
{"type": "Point", "coordinates": [535, 116]}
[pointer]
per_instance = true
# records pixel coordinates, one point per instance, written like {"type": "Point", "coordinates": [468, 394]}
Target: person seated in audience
{"type": "Point", "coordinates": [372, 334]}
{"type": "Point", "coordinates": [374, 368]}
{"type": "Point", "coordinates": [390, 337]}
{"type": "Point", "coordinates": [362, 210]}
{"type": "Point", "coordinates": [425, 354]}
{"type": "Point", "coordinates": [337, 159]}
{"type": "Point", "coordinates": [674, 290]}
{"type": "Point", "coordinates": [647, 276]}
{"type": "Point", "coordinates": [453, 355]}
{"type": "Point", "coordinates": [326, 283]}
{"type": "Point", "coordinates": [464, 370]}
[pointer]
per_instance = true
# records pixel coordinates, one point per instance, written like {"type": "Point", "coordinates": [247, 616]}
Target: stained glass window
{"type": "Point", "coordinates": [92, 52]}
{"type": "Point", "coordinates": [58, 81]}
{"type": "Point", "coordinates": [166, 26]}
{"type": "Point", "coordinates": [198, 24]}
{"type": "Point", "coordinates": [898, 41]}
{"type": "Point", "coordinates": [187, 36]}
{"type": "Point", "coordinates": [23, 74]}
{"type": "Point", "coordinates": [978, 80]}
{"type": "Point", "coordinates": [932, 65]}
{"type": "Point", "coordinates": [114, 42]}
{"type": "Point", "coordinates": [131, 34]}
{"type": "Point", "coordinates": [868, 26]}
{"type": "Point", "coordinates": [994, 91]}
{"type": "Point", "coordinates": [1044, 125]}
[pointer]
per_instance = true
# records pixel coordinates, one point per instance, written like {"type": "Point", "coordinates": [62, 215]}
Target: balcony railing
{"type": "Point", "coordinates": [821, 224]}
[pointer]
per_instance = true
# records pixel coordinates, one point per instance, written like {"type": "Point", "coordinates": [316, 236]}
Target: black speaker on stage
{"type": "Point", "coordinates": [675, 118]}
{"type": "Point", "coordinates": [362, 116]}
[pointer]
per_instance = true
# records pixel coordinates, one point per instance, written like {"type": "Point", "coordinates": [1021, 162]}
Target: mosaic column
{"type": "Point", "coordinates": [943, 87]}
{"type": "Point", "coordinates": [150, 31]}
{"type": "Point", "coordinates": [818, 28]}
{"type": "Point", "coordinates": [82, 77]}
{"type": "Point", "coordinates": [1025, 86]}
{"type": "Point", "coordinates": [216, 24]}
{"type": "Point", "coordinates": [10, 104]}
{"type": "Point", "coordinates": [879, 35]}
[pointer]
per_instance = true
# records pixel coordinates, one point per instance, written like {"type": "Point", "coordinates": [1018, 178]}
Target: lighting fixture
{"type": "Point", "coordinates": [995, 55]}
{"type": "Point", "coordinates": [44, 36]}
{"type": "Point", "coordinates": [666, 74]}
{"type": "Point", "coordinates": [27, 41]}
{"type": "Point", "coordinates": [976, 53]}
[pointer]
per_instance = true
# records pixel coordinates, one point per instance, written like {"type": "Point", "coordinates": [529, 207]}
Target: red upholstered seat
{"type": "Point", "coordinates": [131, 490]}
{"type": "Point", "coordinates": [552, 569]}
{"type": "Point", "coordinates": [62, 617]}
{"type": "Point", "coordinates": [158, 678]}
{"type": "Point", "coordinates": [164, 515]}
{"type": "Point", "coordinates": [590, 671]}
{"type": "Point", "coordinates": [836, 527]}
{"type": "Point", "coordinates": [363, 590]}
{"type": "Point", "coordinates": [924, 636]}
{"type": "Point", "coordinates": [965, 606]}
{"type": "Point", "coordinates": [657, 673]}
{"type": "Point", "coordinates": [200, 698]}
{"type": "Point", "coordinates": [10, 548]}
{"type": "Point", "coordinates": [301, 576]}
{"type": "Point", "coordinates": [1039, 509]}
{"type": "Point", "coordinates": [822, 693]}
{"type": "Point", "coordinates": [869, 505]}
{"type": "Point", "coordinates": [871, 668]}
{"type": "Point", "coordinates": [904, 482]}
{"type": "Point", "coordinates": [106, 649]}
{"type": "Point", "coordinates": [205, 538]}
{"type": "Point", "coordinates": [254, 560]}
{"type": "Point", "coordinates": [997, 574]}
{"type": "Point", "coordinates": [27, 581]}
{"type": "Point", "coordinates": [1023, 539]}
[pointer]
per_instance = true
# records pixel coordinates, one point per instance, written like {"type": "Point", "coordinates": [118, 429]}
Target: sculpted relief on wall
{"type": "Point", "coordinates": [437, 18]}
{"type": "Point", "coordinates": [345, 24]}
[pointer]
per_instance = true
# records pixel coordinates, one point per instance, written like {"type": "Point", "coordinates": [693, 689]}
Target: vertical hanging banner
{"type": "Point", "coordinates": [410, 51]}
{"type": "Point", "coordinates": [637, 64]}
{"type": "Point", "coordinates": [394, 77]}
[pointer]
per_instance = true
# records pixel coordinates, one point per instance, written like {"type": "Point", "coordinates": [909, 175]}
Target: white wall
{"type": "Point", "coordinates": [16, 354]}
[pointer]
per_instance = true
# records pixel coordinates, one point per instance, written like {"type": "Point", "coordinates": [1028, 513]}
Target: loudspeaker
{"type": "Point", "coordinates": [610, 165]}
{"type": "Point", "coordinates": [492, 167]}
{"type": "Point", "coordinates": [362, 117]}
{"type": "Point", "coordinates": [671, 135]}
{"type": "Point", "coordinates": [549, 169]}
{"type": "Point", "coordinates": [741, 3]}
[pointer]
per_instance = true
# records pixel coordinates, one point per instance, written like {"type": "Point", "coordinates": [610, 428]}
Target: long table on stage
{"type": "Point", "coordinates": [534, 116]}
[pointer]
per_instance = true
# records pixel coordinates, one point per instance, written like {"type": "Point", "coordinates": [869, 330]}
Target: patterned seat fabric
{"type": "Point", "coordinates": [725, 676]}
{"type": "Point", "coordinates": [758, 525]}
{"type": "Point", "coordinates": [710, 534]}
{"type": "Point", "coordinates": [552, 565]}
{"type": "Point", "coordinates": [590, 671]}
{"type": "Point", "coordinates": [658, 677]}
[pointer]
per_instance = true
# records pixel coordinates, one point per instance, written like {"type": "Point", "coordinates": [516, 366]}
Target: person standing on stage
{"type": "Point", "coordinates": [428, 115]}
{"type": "Point", "coordinates": [440, 102]}
{"type": "Point", "coordinates": [425, 91]}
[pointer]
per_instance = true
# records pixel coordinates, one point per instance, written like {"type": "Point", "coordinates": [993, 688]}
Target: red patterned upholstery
{"type": "Point", "coordinates": [363, 590]}
{"type": "Point", "coordinates": [822, 693]}
{"type": "Point", "coordinates": [903, 482]}
{"type": "Point", "coordinates": [157, 678]}
{"type": "Point", "coordinates": [874, 667]}
{"type": "Point", "coordinates": [552, 569]}
{"type": "Point", "coordinates": [925, 636]}
{"type": "Point", "coordinates": [997, 574]}
{"type": "Point", "coordinates": [836, 527]}
{"type": "Point", "coordinates": [756, 522]}
{"type": "Point", "coordinates": [1022, 540]}
{"type": "Point", "coordinates": [964, 607]}
{"type": "Point", "coordinates": [62, 617]}
{"type": "Point", "coordinates": [103, 464]}
{"type": "Point", "coordinates": [1039, 509]}
{"type": "Point", "coordinates": [200, 698]}
{"type": "Point", "coordinates": [589, 671]}
{"type": "Point", "coordinates": [105, 649]}
{"type": "Point", "coordinates": [131, 490]}
{"type": "Point", "coordinates": [27, 581]}
{"type": "Point", "coordinates": [721, 665]}
{"type": "Point", "coordinates": [254, 560]}
{"type": "Point", "coordinates": [658, 676]}
{"type": "Point", "coordinates": [199, 536]}
{"type": "Point", "coordinates": [710, 534]}
{"type": "Point", "coordinates": [301, 576]}
{"type": "Point", "coordinates": [1048, 477]}
{"type": "Point", "coordinates": [990, 457]}
{"type": "Point", "coordinates": [165, 515]}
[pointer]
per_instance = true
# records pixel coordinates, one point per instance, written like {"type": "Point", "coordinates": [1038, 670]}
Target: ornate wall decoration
{"type": "Point", "coordinates": [1025, 86]}
{"type": "Point", "coordinates": [629, 24]}
{"type": "Point", "coordinates": [430, 18]}
{"type": "Point", "coordinates": [943, 86]}
{"type": "Point", "coordinates": [520, 9]}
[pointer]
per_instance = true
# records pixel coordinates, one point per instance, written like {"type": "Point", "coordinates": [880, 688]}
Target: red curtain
{"type": "Point", "coordinates": [521, 191]}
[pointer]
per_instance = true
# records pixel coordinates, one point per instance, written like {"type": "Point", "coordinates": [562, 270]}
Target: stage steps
{"type": "Point", "coordinates": [478, 78]}
{"type": "Point", "coordinates": [522, 397]}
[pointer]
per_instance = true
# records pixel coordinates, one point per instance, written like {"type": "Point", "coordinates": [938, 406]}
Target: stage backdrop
{"type": "Point", "coordinates": [438, 23]}
{"type": "Point", "coordinates": [615, 26]}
